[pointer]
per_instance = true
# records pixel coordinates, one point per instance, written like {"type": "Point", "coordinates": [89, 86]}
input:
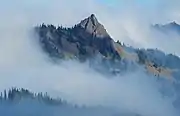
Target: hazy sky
{"type": "Point", "coordinates": [142, 2]}
{"type": "Point", "coordinates": [23, 64]}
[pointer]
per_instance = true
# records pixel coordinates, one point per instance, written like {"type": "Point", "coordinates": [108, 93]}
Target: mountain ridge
{"type": "Point", "coordinates": [89, 39]}
{"type": "Point", "coordinates": [168, 28]}
{"type": "Point", "coordinates": [22, 102]}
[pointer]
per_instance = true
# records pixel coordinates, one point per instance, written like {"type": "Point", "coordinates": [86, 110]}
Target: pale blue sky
{"type": "Point", "coordinates": [145, 3]}
{"type": "Point", "coordinates": [112, 3]}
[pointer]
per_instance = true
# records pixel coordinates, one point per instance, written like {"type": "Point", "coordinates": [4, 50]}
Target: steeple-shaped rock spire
{"type": "Point", "coordinates": [92, 26]}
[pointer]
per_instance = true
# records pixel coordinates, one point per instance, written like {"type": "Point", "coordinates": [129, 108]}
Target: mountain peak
{"type": "Point", "coordinates": [173, 23]}
{"type": "Point", "coordinates": [93, 17]}
{"type": "Point", "coordinates": [92, 26]}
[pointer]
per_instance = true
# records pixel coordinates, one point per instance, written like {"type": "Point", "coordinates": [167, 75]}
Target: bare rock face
{"type": "Point", "coordinates": [92, 26]}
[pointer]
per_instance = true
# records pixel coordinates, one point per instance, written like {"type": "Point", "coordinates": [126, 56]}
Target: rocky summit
{"type": "Point", "coordinates": [92, 26]}
{"type": "Point", "coordinates": [84, 40]}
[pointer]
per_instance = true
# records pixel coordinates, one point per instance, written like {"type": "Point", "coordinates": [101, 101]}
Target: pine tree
{"type": "Point", "coordinates": [5, 95]}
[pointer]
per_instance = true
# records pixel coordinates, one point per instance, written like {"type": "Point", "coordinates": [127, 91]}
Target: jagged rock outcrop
{"type": "Point", "coordinates": [84, 40]}
{"type": "Point", "coordinates": [92, 26]}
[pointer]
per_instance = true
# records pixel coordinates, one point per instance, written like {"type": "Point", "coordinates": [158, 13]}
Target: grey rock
{"type": "Point", "coordinates": [92, 26]}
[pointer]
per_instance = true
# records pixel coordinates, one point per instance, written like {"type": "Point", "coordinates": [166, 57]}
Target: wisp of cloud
{"type": "Point", "coordinates": [24, 64]}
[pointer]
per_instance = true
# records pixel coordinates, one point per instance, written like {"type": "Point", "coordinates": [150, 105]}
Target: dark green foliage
{"type": "Point", "coordinates": [16, 95]}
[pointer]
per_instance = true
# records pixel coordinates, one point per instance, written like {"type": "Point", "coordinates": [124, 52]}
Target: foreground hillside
{"type": "Point", "coordinates": [22, 102]}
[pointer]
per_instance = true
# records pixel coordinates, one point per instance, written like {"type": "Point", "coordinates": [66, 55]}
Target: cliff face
{"type": "Point", "coordinates": [92, 26]}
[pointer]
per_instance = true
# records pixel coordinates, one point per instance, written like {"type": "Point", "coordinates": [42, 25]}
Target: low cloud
{"type": "Point", "coordinates": [23, 64]}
